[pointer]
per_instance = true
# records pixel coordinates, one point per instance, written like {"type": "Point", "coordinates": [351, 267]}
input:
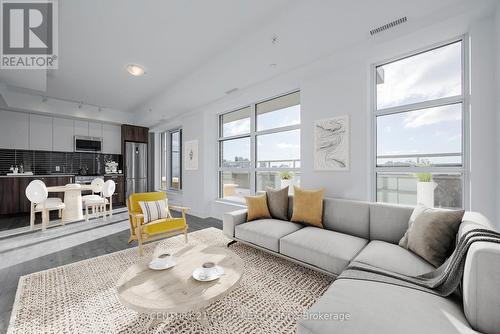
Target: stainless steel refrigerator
{"type": "Point", "coordinates": [136, 167]}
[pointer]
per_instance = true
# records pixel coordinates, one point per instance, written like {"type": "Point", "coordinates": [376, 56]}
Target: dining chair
{"type": "Point", "coordinates": [107, 192]}
{"type": "Point", "coordinates": [94, 201]}
{"type": "Point", "coordinates": [37, 193]}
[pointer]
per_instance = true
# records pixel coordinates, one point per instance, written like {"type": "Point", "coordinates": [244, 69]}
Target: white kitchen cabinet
{"type": "Point", "coordinates": [111, 139]}
{"type": "Point", "coordinates": [62, 135]}
{"type": "Point", "coordinates": [95, 129]}
{"type": "Point", "coordinates": [14, 130]}
{"type": "Point", "coordinates": [81, 128]}
{"type": "Point", "coordinates": [40, 133]}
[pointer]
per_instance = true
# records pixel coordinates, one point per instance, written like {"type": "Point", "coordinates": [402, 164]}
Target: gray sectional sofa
{"type": "Point", "coordinates": [369, 233]}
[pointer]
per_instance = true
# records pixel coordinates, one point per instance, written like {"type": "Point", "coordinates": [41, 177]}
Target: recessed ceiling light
{"type": "Point", "coordinates": [135, 70]}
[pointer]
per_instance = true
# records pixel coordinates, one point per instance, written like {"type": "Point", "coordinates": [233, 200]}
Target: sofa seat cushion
{"type": "Point", "coordinates": [265, 232]}
{"type": "Point", "coordinates": [392, 257]}
{"type": "Point", "coordinates": [325, 249]}
{"type": "Point", "coordinates": [374, 307]}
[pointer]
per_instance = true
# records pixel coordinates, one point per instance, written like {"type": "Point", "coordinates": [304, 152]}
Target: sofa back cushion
{"type": "Point", "coordinates": [346, 216]}
{"type": "Point", "coordinates": [389, 222]}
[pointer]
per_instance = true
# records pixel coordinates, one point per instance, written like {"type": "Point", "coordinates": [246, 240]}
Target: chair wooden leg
{"type": "Point", "coordinates": [32, 217]}
{"type": "Point", "coordinates": [60, 214]}
{"type": "Point", "coordinates": [139, 241]}
{"type": "Point", "coordinates": [111, 206]}
{"type": "Point", "coordinates": [86, 213]}
{"type": "Point", "coordinates": [45, 217]}
{"type": "Point", "coordinates": [103, 209]}
{"type": "Point", "coordinates": [130, 239]}
{"type": "Point", "coordinates": [186, 235]}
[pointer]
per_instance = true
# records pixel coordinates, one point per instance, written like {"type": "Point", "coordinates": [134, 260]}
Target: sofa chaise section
{"type": "Point", "coordinates": [375, 307]}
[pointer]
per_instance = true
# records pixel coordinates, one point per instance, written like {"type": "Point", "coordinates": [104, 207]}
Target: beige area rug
{"type": "Point", "coordinates": [81, 297]}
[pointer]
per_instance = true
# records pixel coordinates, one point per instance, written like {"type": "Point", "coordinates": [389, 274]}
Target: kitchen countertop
{"type": "Point", "coordinates": [46, 175]}
{"type": "Point", "coordinates": [57, 175]}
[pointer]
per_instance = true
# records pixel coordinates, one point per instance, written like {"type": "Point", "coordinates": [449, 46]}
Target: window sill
{"type": "Point", "coordinates": [228, 202]}
{"type": "Point", "coordinates": [171, 191]}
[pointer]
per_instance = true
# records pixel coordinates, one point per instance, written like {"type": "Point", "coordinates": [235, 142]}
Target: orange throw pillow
{"type": "Point", "coordinates": [257, 207]}
{"type": "Point", "coordinates": [308, 207]}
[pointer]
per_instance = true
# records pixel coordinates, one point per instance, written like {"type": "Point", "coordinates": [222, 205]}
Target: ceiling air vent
{"type": "Point", "coordinates": [388, 25]}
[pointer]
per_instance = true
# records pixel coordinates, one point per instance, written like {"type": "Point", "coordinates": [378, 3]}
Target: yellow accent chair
{"type": "Point", "coordinates": [155, 230]}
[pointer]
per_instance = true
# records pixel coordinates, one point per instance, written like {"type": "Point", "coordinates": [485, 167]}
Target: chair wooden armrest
{"type": "Point", "coordinates": [183, 209]}
{"type": "Point", "coordinates": [136, 218]}
{"type": "Point", "coordinates": [179, 208]}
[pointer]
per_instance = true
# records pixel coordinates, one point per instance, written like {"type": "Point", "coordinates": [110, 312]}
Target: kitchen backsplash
{"type": "Point", "coordinates": [43, 162]}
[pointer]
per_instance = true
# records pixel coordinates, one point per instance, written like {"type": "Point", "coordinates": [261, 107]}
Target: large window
{"type": "Point", "coordinates": [259, 147]}
{"type": "Point", "coordinates": [171, 163]}
{"type": "Point", "coordinates": [419, 122]}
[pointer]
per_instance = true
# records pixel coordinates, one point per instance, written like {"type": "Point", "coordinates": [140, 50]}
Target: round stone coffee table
{"type": "Point", "coordinates": [174, 290]}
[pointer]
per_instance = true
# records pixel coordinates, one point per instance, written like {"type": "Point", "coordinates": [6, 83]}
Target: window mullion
{"type": "Point", "coordinates": [420, 105]}
{"type": "Point", "coordinates": [253, 148]}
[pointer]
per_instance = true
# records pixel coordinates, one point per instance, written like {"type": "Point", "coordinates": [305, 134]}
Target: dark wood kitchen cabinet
{"type": "Point", "coordinates": [119, 195]}
{"type": "Point", "coordinates": [134, 133]}
{"type": "Point", "coordinates": [9, 195]}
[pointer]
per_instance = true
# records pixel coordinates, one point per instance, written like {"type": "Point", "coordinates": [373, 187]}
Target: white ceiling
{"type": "Point", "coordinates": [195, 50]}
{"type": "Point", "coordinates": [169, 38]}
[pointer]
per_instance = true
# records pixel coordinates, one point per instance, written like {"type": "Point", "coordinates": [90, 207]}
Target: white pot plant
{"type": "Point", "coordinates": [286, 179]}
{"type": "Point", "coordinates": [425, 189]}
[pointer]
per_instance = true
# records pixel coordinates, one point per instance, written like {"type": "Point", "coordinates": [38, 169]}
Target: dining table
{"type": "Point", "coordinates": [73, 210]}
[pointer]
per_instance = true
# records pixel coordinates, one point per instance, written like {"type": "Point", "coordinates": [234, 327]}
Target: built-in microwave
{"type": "Point", "coordinates": [88, 144]}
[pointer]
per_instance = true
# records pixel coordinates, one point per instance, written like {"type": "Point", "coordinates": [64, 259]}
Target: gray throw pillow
{"type": "Point", "coordinates": [277, 202]}
{"type": "Point", "coordinates": [432, 234]}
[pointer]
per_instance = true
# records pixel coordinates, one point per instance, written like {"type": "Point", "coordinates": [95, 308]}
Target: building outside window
{"type": "Point", "coordinates": [420, 122]}
{"type": "Point", "coordinates": [171, 160]}
{"type": "Point", "coordinates": [259, 147]}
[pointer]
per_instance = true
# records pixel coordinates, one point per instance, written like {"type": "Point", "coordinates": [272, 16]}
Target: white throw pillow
{"type": "Point", "coordinates": [154, 210]}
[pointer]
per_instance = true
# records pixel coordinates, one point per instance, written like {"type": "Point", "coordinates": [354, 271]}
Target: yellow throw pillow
{"type": "Point", "coordinates": [308, 207]}
{"type": "Point", "coordinates": [257, 207]}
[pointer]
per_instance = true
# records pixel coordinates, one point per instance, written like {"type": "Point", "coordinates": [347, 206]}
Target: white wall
{"type": "Point", "coordinates": [343, 92]}
{"type": "Point", "coordinates": [497, 93]}
{"type": "Point", "coordinates": [483, 137]}
{"type": "Point", "coordinates": [338, 85]}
